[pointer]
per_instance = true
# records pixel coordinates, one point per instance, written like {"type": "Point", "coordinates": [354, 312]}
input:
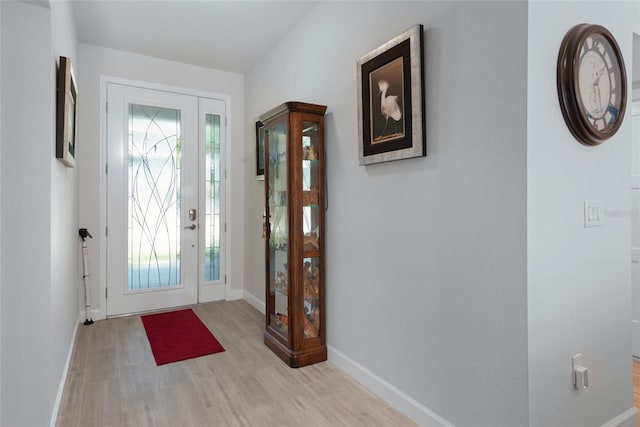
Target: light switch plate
{"type": "Point", "coordinates": [592, 213]}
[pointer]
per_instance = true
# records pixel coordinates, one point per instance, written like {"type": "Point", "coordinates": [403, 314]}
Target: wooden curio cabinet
{"type": "Point", "coordinates": [294, 213]}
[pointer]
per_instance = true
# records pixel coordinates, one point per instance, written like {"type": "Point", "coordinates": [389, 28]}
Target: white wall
{"type": "Point", "coordinates": [27, 81]}
{"type": "Point", "coordinates": [39, 241]}
{"type": "Point", "coordinates": [1, 277]}
{"type": "Point", "coordinates": [426, 258]}
{"type": "Point", "coordinates": [579, 286]}
{"type": "Point", "coordinates": [65, 242]}
{"type": "Point", "coordinates": [97, 61]}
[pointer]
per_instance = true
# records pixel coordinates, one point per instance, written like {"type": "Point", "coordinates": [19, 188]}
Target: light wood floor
{"type": "Point", "coordinates": [114, 381]}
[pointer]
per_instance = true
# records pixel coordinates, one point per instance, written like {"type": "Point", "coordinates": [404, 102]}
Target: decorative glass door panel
{"type": "Point", "coordinates": [212, 201]}
{"type": "Point", "coordinates": [279, 274]}
{"type": "Point", "coordinates": [154, 197]}
{"type": "Point", "coordinates": [212, 198]}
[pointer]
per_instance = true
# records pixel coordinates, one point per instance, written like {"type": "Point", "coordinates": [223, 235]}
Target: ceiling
{"type": "Point", "coordinates": [228, 35]}
{"type": "Point", "coordinates": [224, 35]}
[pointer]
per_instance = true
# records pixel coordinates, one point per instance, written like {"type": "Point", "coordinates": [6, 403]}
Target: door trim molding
{"type": "Point", "coordinates": [105, 80]}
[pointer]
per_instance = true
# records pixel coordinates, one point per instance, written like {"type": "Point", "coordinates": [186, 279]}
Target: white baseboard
{"type": "Point", "coordinates": [63, 380]}
{"type": "Point", "coordinates": [255, 302]}
{"type": "Point", "coordinates": [95, 315]}
{"type": "Point", "coordinates": [628, 418]}
{"type": "Point", "coordinates": [397, 398]}
{"type": "Point", "coordinates": [234, 295]}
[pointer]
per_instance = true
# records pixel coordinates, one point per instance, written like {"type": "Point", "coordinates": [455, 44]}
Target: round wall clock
{"type": "Point", "coordinates": [592, 83]}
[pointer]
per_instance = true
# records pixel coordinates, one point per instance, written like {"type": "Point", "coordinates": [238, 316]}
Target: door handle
{"type": "Point", "coordinates": [191, 227]}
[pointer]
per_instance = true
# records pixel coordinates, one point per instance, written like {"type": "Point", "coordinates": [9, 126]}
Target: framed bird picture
{"type": "Point", "coordinates": [391, 123]}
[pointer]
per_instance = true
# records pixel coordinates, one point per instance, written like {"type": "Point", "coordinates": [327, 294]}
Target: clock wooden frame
{"type": "Point", "coordinates": [584, 128]}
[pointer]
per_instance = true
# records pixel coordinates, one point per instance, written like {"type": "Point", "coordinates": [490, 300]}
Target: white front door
{"type": "Point", "coordinates": [165, 216]}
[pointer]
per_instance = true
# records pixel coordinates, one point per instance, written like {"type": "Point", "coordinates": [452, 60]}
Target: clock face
{"type": "Point", "coordinates": [598, 82]}
{"type": "Point", "coordinates": [591, 83]}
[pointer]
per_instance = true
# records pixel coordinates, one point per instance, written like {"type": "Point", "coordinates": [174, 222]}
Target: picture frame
{"type": "Point", "coordinates": [66, 111]}
{"type": "Point", "coordinates": [391, 104]}
{"type": "Point", "coordinates": [260, 154]}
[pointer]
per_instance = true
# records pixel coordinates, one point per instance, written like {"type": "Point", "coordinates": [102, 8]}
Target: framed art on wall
{"type": "Point", "coordinates": [66, 109]}
{"type": "Point", "coordinates": [391, 123]}
{"type": "Point", "coordinates": [259, 150]}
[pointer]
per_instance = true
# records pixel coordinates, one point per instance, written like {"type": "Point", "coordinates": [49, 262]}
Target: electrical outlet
{"type": "Point", "coordinates": [579, 373]}
{"type": "Point", "coordinates": [576, 362]}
